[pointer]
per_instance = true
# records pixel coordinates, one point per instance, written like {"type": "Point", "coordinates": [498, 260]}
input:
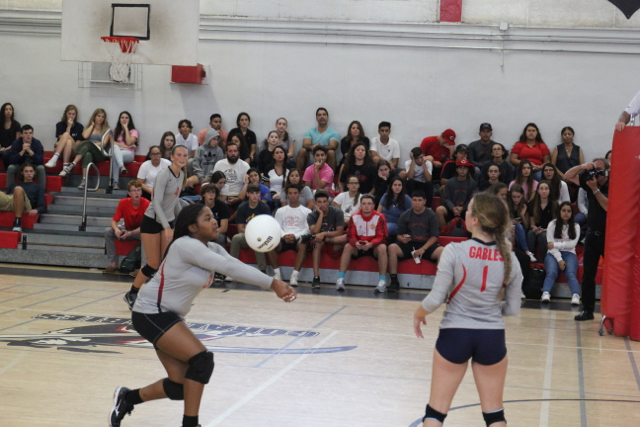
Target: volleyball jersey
{"type": "Point", "coordinates": [165, 205]}
{"type": "Point", "coordinates": [469, 279]}
{"type": "Point", "coordinates": [188, 269]}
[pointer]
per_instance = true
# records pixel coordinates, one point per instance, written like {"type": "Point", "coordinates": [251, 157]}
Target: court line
{"type": "Point", "coordinates": [548, 369]}
{"type": "Point", "coordinates": [28, 295]}
{"type": "Point", "coordinates": [13, 363]}
{"type": "Point", "coordinates": [271, 356]}
{"type": "Point", "coordinates": [51, 299]}
{"type": "Point", "coordinates": [632, 359]}
{"type": "Point", "coordinates": [94, 301]}
{"type": "Point", "coordinates": [266, 384]}
{"type": "Point", "coordinates": [14, 286]}
{"type": "Point", "coordinates": [583, 406]}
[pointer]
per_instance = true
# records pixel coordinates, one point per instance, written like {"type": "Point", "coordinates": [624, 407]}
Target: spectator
{"type": "Point", "coordinates": [207, 155]}
{"type": "Point", "coordinates": [265, 156]}
{"type": "Point", "coordinates": [97, 137]}
{"type": "Point", "coordinates": [493, 177]}
{"type": "Point", "coordinates": [276, 173]}
{"type": "Point", "coordinates": [68, 134]}
{"type": "Point", "coordinates": [499, 189]}
{"type": "Point", "coordinates": [124, 149]}
{"type": "Point", "coordinates": [358, 163]}
{"type": "Point", "coordinates": [543, 210]}
{"type": "Point", "coordinates": [559, 188]}
{"type": "Point", "coordinates": [326, 224]}
{"type": "Point", "coordinates": [519, 211]}
{"type": "Point", "coordinates": [186, 138]}
{"type": "Point", "coordinates": [11, 132]}
{"type": "Point", "coordinates": [567, 154]}
{"type": "Point", "coordinates": [499, 154]}
{"type": "Point", "coordinates": [457, 194]}
{"type": "Point", "coordinates": [319, 175]}
{"type": "Point", "coordinates": [295, 233]}
{"type": "Point", "coordinates": [418, 234]}
{"type": "Point", "coordinates": [382, 180]}
{"type": "Point", "coordinates": [234, 170]}
{"type": "Point", "coordinates": [355, 134]}
{"type": "Point", "coordinates": [583, 207]}
{"type": "Point", "coordinates": [562, 237]}
{"type": "Point", "coordinates": [248, 137]}
{"type": "Point", "coordinates": [220, 180]}
{"type": "Point", "coordinates": [321, 136]}
{"type": "Point", "coordinates": [18, 201]}
{"type": "Point", "coordinates": [253, 177]}
{"type": "Point", "coordinates": [367, 233]}
{"type": "Point", "coordinates": [349, 201]}
{"type": "Point", "coordinates": [215, 123]}
{"type": "Point", "coordinates": [419, 174]}
{"type": "Point", "coordinates": [393, 204]}
{"type": "Point", "coordinates": [243, 149]}
{"type": "Point", "coordinates": [246, 212]}
{"type": "Point", "coordinates": [286, 141]}
{"type": "Point", "coordinates": [306, 196]}
{"type": "Point", "coordinates": [524, 178]}
{"type": "Point", "coordinates": [531, 147]}
{"type": "Point", "coordinates": [27, 149]}
{"type": "Point", "coordinates": [153, 164]}
{"type": "Point", "coordinates": [480, 150]}
{"type": "Point", "coordinates": [385, 148]}
{"type": "Point", "coordinates": [449, 167]}
{"type": "Point", "coordinates": [439, 149]}
{"type": "Point", "coordinates": [632, 110]}
{"type": "Point", "coordinates": [220, 210]}
{"type": "Point", "coordinates": [167, 142]}
{"type": "Point", "coordinates": [131, 209]}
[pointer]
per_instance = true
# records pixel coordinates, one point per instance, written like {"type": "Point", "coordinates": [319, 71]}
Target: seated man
{"type": "Point", "coordinates": [449, 167]}
{"type": "Point", "coordinates": [234, 170]}
{"type": "Point", "coordinates": [245, 213]}
{"type": "Point", "coordinates": [326, 224]}
{"type": "Point", "coordinates": [27, 149]}
{"type": "Point", "coordinates": [457, 194]}
{"type": "Point", "coordinates": [295, 233]}
{"type": "Point", "coordinates": [383, 147]}
{"type": "Point", "coordinates": [322, 135]}
{"type": "Point", "coordinates": [131, 209]}
{"type": "Point", "coordinates": [25, 196]}
{"type": "Point", "coordinates": [366, 235]}
{"type": "Point", "coordinates": [418, 174]}
{"type": "Point", "coordinates": [438, 149]}
{"type": "Point", "coordinates": [207, 155]}
{"type": "Point", "coordinates": [319, 175]}
{"type": "Point", "coordinates": [418, 233]}
{"type": "Point", "coordinates": [215, 121]}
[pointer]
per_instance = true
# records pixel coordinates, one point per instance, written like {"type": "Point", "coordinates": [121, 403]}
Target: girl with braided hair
{"type": "Point", "coordinates": [472, 278]}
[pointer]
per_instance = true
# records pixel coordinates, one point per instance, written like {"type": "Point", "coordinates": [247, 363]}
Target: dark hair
{"type": "Point", "coordinates": [536, 210]}
{"type": "Point", "coordinates": [384, 125]}
{"type": "Point", "coordinates": [272, 162]}
{"type": "Point", "coordinates": [569, 128]}
{"type": "Point", "coordinates": [119, 130]}
{"type": "Point", "coordinates": [368, 196]}
{"type": "Point", "coordinates": [607, 155]}
{"type": "Point", "coordinates": [163, 149]}
{"type": "Point", "coordinates": [516, 188]}
{"type": "Point", "coordinates": [523, 137]}
{"type": "Point", "coordinates": [64, 115]}
{"type": "Point", "coordinates": [242, 147]}
{"type": "Point", "coordinates": [417, 152]}
{"type": "Point", "coordinates": [319, 148]}
{"type": "Point", "coordinates": [555, 184]}
{"type": "Point", "coordinates": [285, 137]}
{"type": "Point", "coordinates": [557, 234]}
{"type": "Point", "coordinates": [254, 170]}
{"type": "Point", "coordinates": [240, 116]}
{"type": "Point", "coordinates": [181, 122]}
{"type": "Point", "coordinates": [292, 170]}
{"type": "Point", "coordinates": [383, 162]}
{"type": "Point", "coordinates": [133, 183]}
{"type": "Point", "coordinates": [495, 188]}
{"type": "Point", "coordinates": [350, 158]}
{"type": "Point", "coordinates": [26, 127]}
{"type": "Point", "coordinates": [419, 193]}
{"type": "Point", "coordinates": [253, 188]}
{"type": "Point", "coordinates": [230, 143]}
{"type": "Point", "coordinates": [295, 186]}
{"type": "Point", "coordinates": [356, 198]}
{"type": "Point", "coordinates": [320, 194]}
{"type": "Point", "coordinates": [356, 122]}
{"type": "Point", "coordinates": [521, 180]}
{"type": "Point", "coordinates": [505, 152]}
{"type": "Point", "coordinates": [209, 189]}
{"type": "Point", "coordinates": [22, 168]}
{"type": "Point", "coordinates": [149, 152]}
{"type": "Point", "coordinates": [13, 110]}
{"type": "Point", "coordinates": [391, 195]}
{"type": "Point", "coordinates": [187, 216]}
{"type": "Point", "coordinates": [322, 109]}
{"type": "Point", "coordinates": [215, 116]}
{"type": "Point", "coordinates": [217, 176]}
{"type": "Point", "coordinates": [14, 124]}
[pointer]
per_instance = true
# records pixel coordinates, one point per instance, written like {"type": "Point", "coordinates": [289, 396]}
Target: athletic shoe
{"type": "Point", "coordinates": [277, 276]}
{"type": "Point", "coordinates": [293, 281]}
{"type": "Point", "coordinates": [115, 185]}
{"type": "Point", "coordinates": [67, 170]}
{"type": "Point", "coordinates": [217, 277]}
{"type": "Point", "coordinates": [82, 184]}
{"type": "Point", "coordinates": [382, 286]}
{"type": "Point", "coordinates": [120, 407]}
{"type": "Point", "coordinates": [394, 286]}
{"type": "Point", "coordinates": [130, 299]}
{"type": "Point", "coordinates": [575, 299]}
{"type": "Point", "coordinates": [584, 315]}
{"type": "Point", "coordinates": [134, 273]}
{"type": "Point", "coordinates": [340, 285]}
{"type": "Point", "coordinates": [17, 228]}
{"type": "Point", "coordinates": [123, 171]}
{"type": "Point", "coordinates": [111, 270]}
{"type": "Point", "coordinates": [522, 295]}
{"type": "Point", "coordinates": [546, 297]}
{"type": "Point", "coordinates": [532, 258]}
{"type": "Point", "coordinates": [52, 162]}
{"type": "Point", "coordinates": [315, 284]}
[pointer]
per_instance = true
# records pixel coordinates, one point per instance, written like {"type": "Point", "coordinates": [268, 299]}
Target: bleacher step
{"type": "Point", "coordinates": [99, 211]}
{"type": "Point", "coordinates": [75, 240]}
{"type": "Point", "coordinates": [67, 227]}
{"type": "Point", "coordinates": [74, 219]}
{"type": "Point", "coordinates": [73, 191]}
{"type": "Point", "coordinates": [77, 201]}
{"type": "Point", "coordinates": [54, 258]}
{"type": "Point", "coordinates": [66, 249]}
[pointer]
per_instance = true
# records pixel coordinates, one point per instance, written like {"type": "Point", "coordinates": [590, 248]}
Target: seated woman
{"type": "Point", "coordinates": [220, 210]}
{"type": "Point", "coordinates": [559, 188]}
{"type": "Point", "coordinates": [286, 141]}
{"type": "Point", "coordinates": [355, 134]}
{"type": "Point", "coordinates": [393, 204]}
{"type": "Point", "coordinates": [562, 237]}
{"type": "Point", "coordinates": [253, 177]}
{"type": "Point", "coordinates": [68, 134]}
{"type": "Point", "coordinates": [11, 131]}
{"type": "Point", "coordinates": [543, 211]}
{"type": "Point", "coordinates": [524, 178]}
{"type": "Point", "coordinates": [493, 177]}
{"type": "Point", "coordinates": [153, 164]}
{"type": "Point", "coordinates": [349, 201]}
{"type": "Point", "coordinates": [125, 140]}
{"type": "Point", "coordinates": [531, 147]}
{"type": "Point", "coordinates": [519, 211]}
{"type": "Point", "coordinates": [306, 196]}
{"type": "Point", "coordinates": [265, 156]}
{"type": "Point", "coordinates": [97, 137]}
{"type": "Point", "coordinates": [501, 190]}
{"type": "Point", "coordinates": [358, 162]}
{"type": "Point", "coordinates": [276, 173]}
{"type": "Point", "coordinates": [219, 179]}
{"type": "Point", "coordinates": [381, 181]}
{"type": "Point", "coordinates": [498, 157]}
{"type": "Point", "coordinates": [167, 142]}
{"type": "Point", "coordinates": [567, 154]}
{"type": "Point", "coordinates": [247, 138]}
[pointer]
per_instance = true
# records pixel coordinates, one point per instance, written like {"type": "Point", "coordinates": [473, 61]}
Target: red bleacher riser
{"type": "Point", "coordinates": [9, 239]}
{"type": "Point", "coordinates": [123, 247]}
{"type": "Point", "coordinates": [54, 183]}
{"type": "Point", "coordinates": [7, 219]}
{"type": "Point", "coordinates": [103, 167]}
{"type": "Point", "coordinates": [48, 199]}
{"type": "Point", "coordinates": [435, 202]}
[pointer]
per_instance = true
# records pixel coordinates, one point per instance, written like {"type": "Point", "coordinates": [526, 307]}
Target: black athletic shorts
{"type": "Point", "coordinates": [484, 346]}
{"type": "Point", "coordinates": [153, 326]}
{"type": "Point", "coordinates": [151, 226]}
{"type": "Point", "coordinates": [360, 253]}
{"type": "Point", "coordinates": [407, 248]}
{"type": "Point", "coordinates": [288, 246]}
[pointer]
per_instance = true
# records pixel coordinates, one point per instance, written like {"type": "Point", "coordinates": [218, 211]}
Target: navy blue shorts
{"type": "Point", "coordinates": [484, 346]}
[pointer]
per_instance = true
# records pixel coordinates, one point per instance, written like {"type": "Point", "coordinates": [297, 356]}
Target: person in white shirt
{"type": "Point", "coordinates": [295, 233]}
{"type": "Point", "coordinates": [349, 201]}
{"type": "Point", "coordinates": [384, 147]}
{"type": "Point", "coordinates": [418, 172]}
{"type": "Point", "coordinates": [583, 207]}
{"type": "Point", "coordinates": [150, 169]}
{"type": "Point", "coordinates": [234, 170]}
{"type": "Point", "coordinates": [632, 110]}
{"type": "Point", "coordinates": [186, 138]}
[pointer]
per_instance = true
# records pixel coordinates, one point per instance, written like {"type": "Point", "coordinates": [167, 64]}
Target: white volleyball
{"type": "Point", "coordinates": [263, 233]}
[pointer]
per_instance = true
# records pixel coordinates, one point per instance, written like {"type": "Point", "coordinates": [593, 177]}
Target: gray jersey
{"type": "Point", "coordinates": [469, 279]}
{"type": "Point", "coordinates": [164, 205]}
{"type": "Point", "coordinates": [187, 270]}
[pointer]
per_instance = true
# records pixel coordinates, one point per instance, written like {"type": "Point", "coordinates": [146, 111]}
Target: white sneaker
{"type": "Point", "coordinates": [340, 285]}
{"type": "Point", "coordinates": [546, 297]}
{"type": "Point", "coordinates": [522, 295]}
{"type": "Point", "coordinates": [382, 286]}
{"type": "Point", "coordinates": [52, 162]}
{"type": "Point", "coordinates": [82, 184]}
{"type": "Point", "coordinates": [532, 258]}
{"type": "Point", "coordinates": [575, 299]}
{"type": "Point", "coordinates": [67, 170]}
{"type": "Point", "coordinates": [277, 276]}
{"type": "Point", "coordinates": [294, 280]}
{"type": "Point", "coordinates": [17, 228]}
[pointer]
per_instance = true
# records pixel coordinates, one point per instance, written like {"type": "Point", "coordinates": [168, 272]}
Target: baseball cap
{"type": "Point", "coordinates": [463, 162]}
{"type": "Point", "coordinates": [450, 136]}
{"type": "Point", "coordinates": [486, 126]}
{"type": "Point", "coordinates": [462, 147]}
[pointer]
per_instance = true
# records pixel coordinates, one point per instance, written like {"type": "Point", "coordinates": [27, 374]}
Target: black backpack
{"type": "Point", "coordinates": [532, 283]}
{"type": "Point", "coordinates": [132, 261]}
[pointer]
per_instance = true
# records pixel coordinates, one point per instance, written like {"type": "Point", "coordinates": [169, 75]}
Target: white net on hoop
{"type": "Point", "coordinates": [121, 50]}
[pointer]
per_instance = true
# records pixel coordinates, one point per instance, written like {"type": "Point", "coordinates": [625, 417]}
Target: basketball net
{"type": "Point", "coordinates": [121, 50]}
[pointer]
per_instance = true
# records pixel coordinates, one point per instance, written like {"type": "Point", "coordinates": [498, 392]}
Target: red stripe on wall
{"type": "Point", "coordinates": [450, 10]}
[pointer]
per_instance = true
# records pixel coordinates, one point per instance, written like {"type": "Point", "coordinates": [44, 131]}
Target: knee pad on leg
{"type": "Point", "coordinates": [494, 417]}
{"type": "Point", "coordinates": [200, 367]}
{"type": "Point", "coordinates": [173, 390]}
{"type": "Point", "coordinates": [432, 414]}
{"type": "Point", "coordinates": [148, 271]}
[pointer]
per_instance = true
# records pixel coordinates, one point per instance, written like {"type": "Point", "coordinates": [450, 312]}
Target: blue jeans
{"type": "Point", "coordinates": [521, 238]}
{"type": "Point", "coordinates": [392, 229]}
{"type": "Point", "coordinates": [570, 272]}
{"type": "Point", "coordinates": [580, 218]}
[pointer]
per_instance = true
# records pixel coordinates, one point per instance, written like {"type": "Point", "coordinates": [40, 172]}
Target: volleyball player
{"type": "Point", "coordinates": [470, 279]}
{"type": "Point", "coordinates": [159, 311]}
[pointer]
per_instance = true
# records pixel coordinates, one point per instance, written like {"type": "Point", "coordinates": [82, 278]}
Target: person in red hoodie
{"type": "Point", "coordinates": [366, 234]}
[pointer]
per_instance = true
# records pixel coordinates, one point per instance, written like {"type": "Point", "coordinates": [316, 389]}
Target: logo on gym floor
{"type": "Point", "coordinates": [118, 332]}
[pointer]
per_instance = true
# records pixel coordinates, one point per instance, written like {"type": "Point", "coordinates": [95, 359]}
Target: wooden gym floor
{"type": "Point", "coordinates": [324, 360]}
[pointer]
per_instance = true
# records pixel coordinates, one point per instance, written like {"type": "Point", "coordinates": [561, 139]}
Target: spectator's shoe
{"type": "Point", "coordinates": [115, 185]}
{"type": "Point", "coordinates": [67, 170]}
{"type": "Point", "coordinates": [52, 162]}
{"type": "Point", "coordinates": [111, 270]}
{"type": "Point", "coordinates": [293, 281]}
{"type": "Point", "coordinates": [394, 286]}
{"type": "Point", "coordinates": [315, 284]}
{"type": "Point", "coordinates": [575, 299]}
{"type": "Point", "coordinates": [340, 285]}
{"type": "Point", "coordinates": [17, 228]}
{"type": "Point", "coordinates": [120, 407]}
{"type": "Point", "coordinates": [531, 257]}
{"type": "Point", "coordinates": [123, 171]}
{"type": "Point", "coordinates": [82, 184]}
{"type": "Point", "coordinates": [130, 299]}
{"type": "Point", "coordinates": [382, 286]}
{"type": "Point", "coordinates": [522, 295]}
{"type": "Point", "coordinates": [584, 315]}
{"type": "Point", "coordinates": [277, 276]}
{"type": "Point", "coordinates": [546, 297]}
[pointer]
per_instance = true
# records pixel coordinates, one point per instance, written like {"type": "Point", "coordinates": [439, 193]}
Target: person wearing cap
{"type": "Point", "coordinates": [438, 149]}
{"type": "Point", "coordinates": [206, 157]}
{"type": "Point", "coordinates": [480, 150]}
{"type": "Point", "coordinates": [457, 193]}
{"type": "Point", "coordinates": [449, 167]}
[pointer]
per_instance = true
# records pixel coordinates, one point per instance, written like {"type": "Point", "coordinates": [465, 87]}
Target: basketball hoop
{"type": "Point", "coordinates": [121, 50]}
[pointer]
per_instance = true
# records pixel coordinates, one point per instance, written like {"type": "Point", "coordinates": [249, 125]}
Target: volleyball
{"type": "Point", "coordinates": [263, 233]}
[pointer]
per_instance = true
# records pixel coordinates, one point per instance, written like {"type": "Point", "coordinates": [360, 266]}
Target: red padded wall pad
{"type": "Point", "coordinates": [450, 10]}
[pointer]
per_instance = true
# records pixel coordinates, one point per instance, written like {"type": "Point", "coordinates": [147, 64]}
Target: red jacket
{"type": "Point", "coordinates": [372, 228]}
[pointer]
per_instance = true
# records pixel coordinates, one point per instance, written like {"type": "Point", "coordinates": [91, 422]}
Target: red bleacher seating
{"type": "Point", "coordinates": [9, 239]}
{"type": "Point", "coordinates": [7, 219]}
{"type": "Point", "coordinates": [54, 183]}
{"type": "Point", "coordinates": [123, 247]}
{"type": "Point", "coordinates": [103, 167]}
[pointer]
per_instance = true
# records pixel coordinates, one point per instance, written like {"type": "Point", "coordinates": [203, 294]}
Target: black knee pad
{"type": "Point", "coordinates": [148, 271]}
{"type": "Point", "coordinates": [200, 367]}
{"type": "Point", "coordinates": [431, 413]}
{"type": "Point", "coordinates": [494, 417]}
{"type": "Point", "coordinates": [173, 390]}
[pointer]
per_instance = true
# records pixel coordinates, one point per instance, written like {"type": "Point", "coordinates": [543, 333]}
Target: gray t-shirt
{"type": "Point", "coordinates": [331, 221]}
{"type": "Point", "coordinates": [305, 196]}
{"type": "Point", "coordinates": [421, 227]}
{"type": "Point", "coordinates": [164, 206]}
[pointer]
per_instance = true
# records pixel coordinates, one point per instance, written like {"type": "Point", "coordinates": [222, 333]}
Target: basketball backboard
{"type": "Point", "coordinates": [167, 29]}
